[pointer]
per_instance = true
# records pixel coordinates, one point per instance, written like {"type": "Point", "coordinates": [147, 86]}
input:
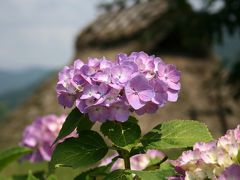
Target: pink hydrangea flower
{"type": "Point", "coordinates": [138, 91]}
{"type": "Point", "coordinates": [40, 136]}
{"type": "Point", "coordinates": [212, 160]}
{"type": "Point", "coordinates": [110, 90]}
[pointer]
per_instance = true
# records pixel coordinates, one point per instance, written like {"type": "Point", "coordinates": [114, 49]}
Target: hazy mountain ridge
{"type": "Point", "coordinates": [17, 86]}
{"type": "Point", "coordinates": [15, 80]}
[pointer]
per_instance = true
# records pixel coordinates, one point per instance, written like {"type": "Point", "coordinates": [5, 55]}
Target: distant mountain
{"type": "Point", "coordinates": [16, 80]}
{"type": "Point", "coordinates": [16, 87]}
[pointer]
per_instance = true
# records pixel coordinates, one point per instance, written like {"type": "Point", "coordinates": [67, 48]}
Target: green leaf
{"type": "Point", "coordinates": [85, 150]}
{"type": "Point", "coordinates": [84, 123]}
{"type": "Point", "coordinates": [132, 119]}
{"type": "Point", "coordinates": [165, 170]}
{"type": "Point", "coordinates": [93, 173]}
{"type": "Point", "coordinates": [96, 172]}
{"type": "Point", "coordinates": [119, 175]}
{"type": "Point", "coordinates": [158, 163]}
{"type": "Point", "coordinates": [51, 177]}
{"type": "Point", "coordinates": [37, 174]}
{"type": "Point", "coordinates": [2, 177]}
{"type": "Point", "coordinates": [10, 155]}
{"type": "Point", "coordinates": [121, 134]}
{"type": "Point", "coordinates": [238, 157]}
{"type": "Point", "coordinates": [167, 166]}
{"type": "Point", "coordinates": [73, 120]}
{"type": "Point", "coordinates": [173, 154]}
{"type": "Point", "coordinates": [176, 134]}
{"type": "Point", "coordinates": [153, 175]}
{"type": "Point", "coordinates": [138, 149]}
{"type": "Point", "coordinates": [31, 176]}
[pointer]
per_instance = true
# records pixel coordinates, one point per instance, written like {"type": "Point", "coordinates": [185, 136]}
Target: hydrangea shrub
{"type": "Point", "coordinates": [111, 90]}
{"type": "Point", "coordinates": [108, 92]}
{"type": "Point", "coordinates": [212, 160]}
{"type": "Point", "coordinates": [40, 136]}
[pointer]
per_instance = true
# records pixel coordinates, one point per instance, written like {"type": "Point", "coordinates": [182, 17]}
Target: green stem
{"type": "Point", "coordinates": [125, 155]}
{"type": "Point", "coordinates": [163, 160]}
{"type": "Point", "coordinates": [127, 163]}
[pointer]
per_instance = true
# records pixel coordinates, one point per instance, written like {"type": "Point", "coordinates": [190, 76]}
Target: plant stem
{"type": "Point", "coordinates": [127, 163]}
{"type": "Point", "coordinates": [163, 160]}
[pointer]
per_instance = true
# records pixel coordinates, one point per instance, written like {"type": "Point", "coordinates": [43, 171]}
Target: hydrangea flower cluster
{"type": "Point", "coordinates": [212, 160]}
{"type": "Point", "coordinates": [40, 136]}
{"type": "Point", "coordinates": [110, 90]}
{"type": "Point", "coordinates": [138, 162]}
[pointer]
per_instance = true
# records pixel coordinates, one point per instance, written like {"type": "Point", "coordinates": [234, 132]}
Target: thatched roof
{"type": "Point", "coordinates": [123, 24]}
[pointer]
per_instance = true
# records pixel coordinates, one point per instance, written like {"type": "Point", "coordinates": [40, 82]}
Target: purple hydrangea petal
{"type": "Point", "coordinates": [78, 64]}
{"type": "Point", "coordinates": [144, 62]}
{"type": "Point", "coordinates": [60, 88]}
{"type": "Point", "coordinates": [231, 173]}
{"type": "Point", "coordinates": [40, 135]}
{"type": "Point", "coordinates": [121, 75]}
{"type": "Point", "coordinates": [138, 91]}
{"type": "Point", "coordinates": [157, 61]}
{"type": "Point", "coordinates": [87, 73]}
{"type": "Point", "coordinates": [176, 178]}
{"type": "Point", "coordinates": [98, 113]}
{"type": "Point", "coordinates": [146, 95]}
{"type": "Point", "coordinates": [103, 89]}
{"type": "Point", "coordinates": [121, 57]}
{"type": "Point", "coordinates": [131, 65]}
{"type": "Point", "coordinates": [34, 157]}
{"type": "Point", "coordinates": [64, 73]}
{"type": "Point", "coordinates": [205, 146]}
{"type": "Point", "coordinates": [174, 86]}
{"type": "Point", "coordinates": [30, 141]}
{"type": "Point", "coordinates": [46, 151]}
{"type": "Point", "coordinates": [134, 100]}
{"type": "Point", "coordinates": [139, 161]}
{"type": "Point", "coordinates": [170, 75]}
{"type": "Point", "coordinates": [160, 89]}
{"type": "Point", "coordinates": [149, 108]}
{"type": "Point", "coordinates": [237, 133]}
{"type": "Point", "coordinates": [90, 91]}
{"type": "Point", "coordinates": [81, 105]}
{"type": "Point", "coordinates": [105, 64]}
{"type": "Point", "coordinates": [119, 112]}
{"type": "Point", "coordinates": [94, 62]}
{"type": "Point", "coordinates": [174, 75]}
{"type": "Point", "coordinates": [153, 154]}
{"type": "Point", "coordinates": [139, 83]}
{"type": "Point", "coordinates": [78, 81]}
{"type": "Point", "coordinates": [66, 100]}
{"type": "Point", "coordinates": [104, 76]}
{"type": "Point", "coordinates": [172, 95]}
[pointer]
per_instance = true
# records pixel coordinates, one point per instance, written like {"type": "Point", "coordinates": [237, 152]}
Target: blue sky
{"type": "Point", "coordinates": [40, 33]}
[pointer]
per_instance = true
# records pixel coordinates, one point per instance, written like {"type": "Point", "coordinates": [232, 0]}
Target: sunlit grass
{"type": "Point", "coordinates": [18, 169]}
